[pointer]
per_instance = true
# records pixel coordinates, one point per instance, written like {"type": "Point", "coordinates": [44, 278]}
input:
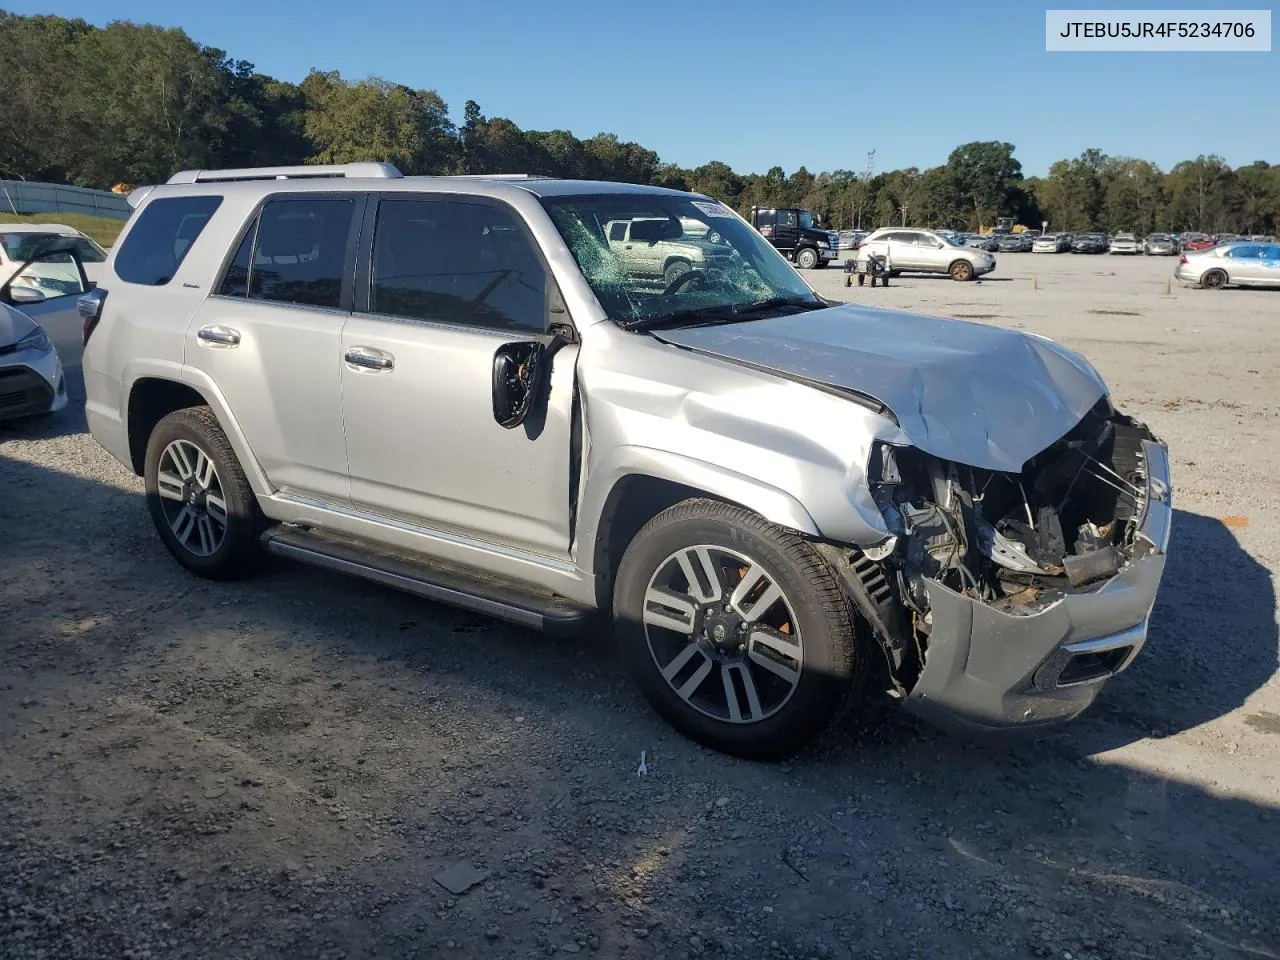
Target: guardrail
{"type": "Point", "coordinates": [21, 196]}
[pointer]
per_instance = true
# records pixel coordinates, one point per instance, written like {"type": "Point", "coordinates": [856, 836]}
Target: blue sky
{"type": "Point", "coordinates": [757, 82]}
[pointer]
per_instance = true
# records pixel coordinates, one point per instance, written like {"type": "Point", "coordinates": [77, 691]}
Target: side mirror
{"type": "Point", "coordinates": [517, 376]}
{"type": "Point", "coordinates": [26, 295]}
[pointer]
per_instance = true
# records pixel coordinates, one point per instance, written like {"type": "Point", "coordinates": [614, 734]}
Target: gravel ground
{"type": "Point", "coordinates": [303, 766]}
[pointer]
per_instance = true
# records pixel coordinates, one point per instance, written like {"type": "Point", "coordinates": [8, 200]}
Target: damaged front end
{"type": "Point", "coordinates": [1007, 599]}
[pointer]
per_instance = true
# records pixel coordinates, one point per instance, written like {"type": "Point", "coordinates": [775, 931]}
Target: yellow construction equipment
{"type": "Point", "coordinates": [1003, 225]}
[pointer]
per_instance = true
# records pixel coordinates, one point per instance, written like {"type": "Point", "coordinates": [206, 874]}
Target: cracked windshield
{"type": "Point", "coordinates": [657, 261]}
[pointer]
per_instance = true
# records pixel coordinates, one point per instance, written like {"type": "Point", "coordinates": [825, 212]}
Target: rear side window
{"type": "Point", "coordinates": [300, 254]}
{"type": "Point", "coordinates": [294, 251]}
{"type": "Point", "coordinates": [158, 243]}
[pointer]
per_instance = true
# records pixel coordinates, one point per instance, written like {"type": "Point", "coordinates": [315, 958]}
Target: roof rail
{"type": "Point", "coordinates": [501, 176]}
{"type": "Point", "coordinates": [308, 172]}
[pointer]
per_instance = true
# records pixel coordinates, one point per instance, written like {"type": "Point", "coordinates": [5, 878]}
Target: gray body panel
{"type": "Point", "coordinates": [978, 395]}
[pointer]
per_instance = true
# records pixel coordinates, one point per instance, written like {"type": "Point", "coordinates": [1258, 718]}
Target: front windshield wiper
{"type": "Point", "coordinates": [723, 313]}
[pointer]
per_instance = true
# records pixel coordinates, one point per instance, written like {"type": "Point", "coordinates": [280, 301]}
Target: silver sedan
{"type": "Point", "coordinates": [1160, 245]}
{"type": "Point", "coordinates": [1240, 264]}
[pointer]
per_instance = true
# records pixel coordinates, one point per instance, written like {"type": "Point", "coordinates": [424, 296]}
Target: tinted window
{"type": "Point", "coordinates": [618, 230]}
{"type": "Point", "coordinates": [300, 254]}
{"type": "Point", "coordinates": [236, 281]}
{"type": "Point", "coordinates": [1244, 253]}
{"type": "Point", "coordinates": [786, 218]}
{"type": "Point", "coordinates": [158, 242]}
{"type": "Point", "coordinates": [456, 262]}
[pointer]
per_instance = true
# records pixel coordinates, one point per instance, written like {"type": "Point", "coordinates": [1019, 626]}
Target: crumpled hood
{"type": "Point", "coordinates": [14, 325]}
{"type": "Point", "coordinates": [978, 395]}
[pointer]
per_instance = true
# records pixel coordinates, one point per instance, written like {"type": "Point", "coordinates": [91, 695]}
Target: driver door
{"type": "Point", "coordinates": [443, 285]}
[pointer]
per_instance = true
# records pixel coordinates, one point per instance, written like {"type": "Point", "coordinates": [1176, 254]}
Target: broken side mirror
{"type": "Point", "coordinates": [517, 375]}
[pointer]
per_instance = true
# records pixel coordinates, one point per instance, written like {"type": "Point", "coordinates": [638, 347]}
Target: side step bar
{"type": "Point", "coordinates": [456, 586]}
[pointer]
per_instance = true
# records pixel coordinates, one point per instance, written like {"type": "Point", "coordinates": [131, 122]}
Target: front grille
{"type": "Point", "coordinates": [23, 392]}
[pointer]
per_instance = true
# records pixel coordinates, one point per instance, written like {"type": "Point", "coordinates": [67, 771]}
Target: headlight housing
{"type": "Point", "coordinates": [37, 339]}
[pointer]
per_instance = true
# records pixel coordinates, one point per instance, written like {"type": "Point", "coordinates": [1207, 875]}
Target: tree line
{"type": "Point", "coordinates": [133, 103]}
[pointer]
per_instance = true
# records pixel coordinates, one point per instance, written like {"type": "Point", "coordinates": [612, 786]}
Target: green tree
{"type": "Point", "coordinates": [377, 120]}
{"type": "Point", "coordinates": [985, 173]}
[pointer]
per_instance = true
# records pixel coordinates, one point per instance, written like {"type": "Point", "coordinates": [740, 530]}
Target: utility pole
{"type": "Point", "coordinates": [868, 171]}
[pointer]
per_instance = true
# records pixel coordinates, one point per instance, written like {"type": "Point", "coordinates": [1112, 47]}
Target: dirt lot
{"type": "Point", "coordinates": [286, 766]}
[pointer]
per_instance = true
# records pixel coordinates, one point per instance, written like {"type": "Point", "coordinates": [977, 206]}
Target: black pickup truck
{"type": "Point", "coordinates": [796, 234]}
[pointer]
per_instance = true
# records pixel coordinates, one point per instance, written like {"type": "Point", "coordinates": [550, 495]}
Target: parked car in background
{"type": "Point", "coordinates": [923, 251]}
{"type": "Point", "coordinates": [848, 239]}
{"type": "Point", "coordinates": [1196, 241]}
{"type": "Point", "coordinates": [1124, 243]}
{"type": "Point", "coordinates": [31, 378]}
{"type": "Point", "coordinates": [1052, 243]}
{"type": "Point", "coordinates": [980, 242]}
{"type": "Point", "coordinates": [1013, 243]}
{"type": "Point", "coordinates": [51, 277]}
{"type": "Point", "coordinates": [771, 499]}
{"type": "Point", "coordinates": [1160, 245]}
{"type": "Point", "coordinates": [648, 248]}
{"type": "Point", "coordinates": [1236, 264]}
{"type": "Point", "coordinates": [1089, 243]}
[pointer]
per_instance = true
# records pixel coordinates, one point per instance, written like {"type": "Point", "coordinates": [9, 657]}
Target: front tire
{"type": "Point", "coordinates": [736, 630]}
{"type": "Point", "coordinates": [961, 271]}
{"type": "Point", "coordinates": [807, 258]}
{"type": "Point", "coordinates": [1214, 280]}
{"type": "Point", "coordinates": [675, 270]}
{"type": "Point", "coordinates": [200, 501]}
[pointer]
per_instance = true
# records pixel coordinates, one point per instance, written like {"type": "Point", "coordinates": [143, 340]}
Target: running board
{"type": "Point", "coordinates": [457, 586]}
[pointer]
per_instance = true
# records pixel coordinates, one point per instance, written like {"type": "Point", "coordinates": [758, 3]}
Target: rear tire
{"type": "Point", "coordinates": [200, 501]}
{"type": "Point", "coordinates": [961, 271]}
{"type": "Point", "coordinates": [807, 258]}
{"type": "Point", "coordinates": [755, 682]}
{"type": "Point", "coordinates": [1214, 280]}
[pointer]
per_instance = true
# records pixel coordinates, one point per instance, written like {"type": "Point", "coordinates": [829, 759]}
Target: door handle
{"type": "Point", "coordinates": [218, 336]}
{"type": "Point", "coordinates": [370, 358]}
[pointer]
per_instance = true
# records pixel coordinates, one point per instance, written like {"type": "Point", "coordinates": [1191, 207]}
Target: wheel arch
{"type": "Point", "coordinates": [152, 398]}
{"type": "Point", "coordinates": [618, 504]}
{"type": "Point", "coordinates": [677, 258]}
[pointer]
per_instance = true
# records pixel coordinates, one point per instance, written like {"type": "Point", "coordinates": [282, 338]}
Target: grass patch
{"type": "Point", "coordinates": [102, 229]}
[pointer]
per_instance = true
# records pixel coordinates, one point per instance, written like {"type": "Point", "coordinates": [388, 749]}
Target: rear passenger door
{"type": "Point", "coordinates": [444, 283]}
{"type": "Point", "coordinates": [270, 337]}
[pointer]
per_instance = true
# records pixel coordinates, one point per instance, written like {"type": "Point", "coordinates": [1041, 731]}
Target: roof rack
{"type": "Point", "coordinates": [501, 176]}
{"type": "Point", "coordinates": [310, 172]}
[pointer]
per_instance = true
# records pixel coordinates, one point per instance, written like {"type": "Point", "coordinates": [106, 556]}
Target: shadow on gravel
{"type": "Point", "coordinates": [67, 421]}
{"type": "Point", "coordinates": [282, 766]}
{"type": "Point", "coordinates": [1213, 639]}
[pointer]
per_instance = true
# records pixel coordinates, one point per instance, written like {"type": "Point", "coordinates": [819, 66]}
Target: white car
{"type": "Point", "coordinates": [1124, 243]}
{"type": "Point", "coordinates": [51, 278]}
{"type": "Point", "coordinates": [924, 251]}
{"type": "Point", "coordinates": [31, 378]}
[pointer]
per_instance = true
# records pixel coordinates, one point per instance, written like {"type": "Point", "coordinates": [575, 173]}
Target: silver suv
{"type": "Point", "coordinates": [923, 251]}
{"type": "Point", "coordinates": [459, 388]}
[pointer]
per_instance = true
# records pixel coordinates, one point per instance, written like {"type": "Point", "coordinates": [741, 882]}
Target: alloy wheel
{"type": "Point", "coordinates": [723, 633]}
{"type": "Point", "coordinates": [191, 497]}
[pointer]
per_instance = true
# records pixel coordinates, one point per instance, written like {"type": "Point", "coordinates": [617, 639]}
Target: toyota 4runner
{"type": "Point", "coordinates": [462, 388]}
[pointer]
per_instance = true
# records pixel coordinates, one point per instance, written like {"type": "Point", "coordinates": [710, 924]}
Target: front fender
{"type": "Point", "coordinates": [776, 506]}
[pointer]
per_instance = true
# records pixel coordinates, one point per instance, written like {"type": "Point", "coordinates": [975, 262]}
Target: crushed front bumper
{"type": "Point", "coordinates": [986, 669]}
